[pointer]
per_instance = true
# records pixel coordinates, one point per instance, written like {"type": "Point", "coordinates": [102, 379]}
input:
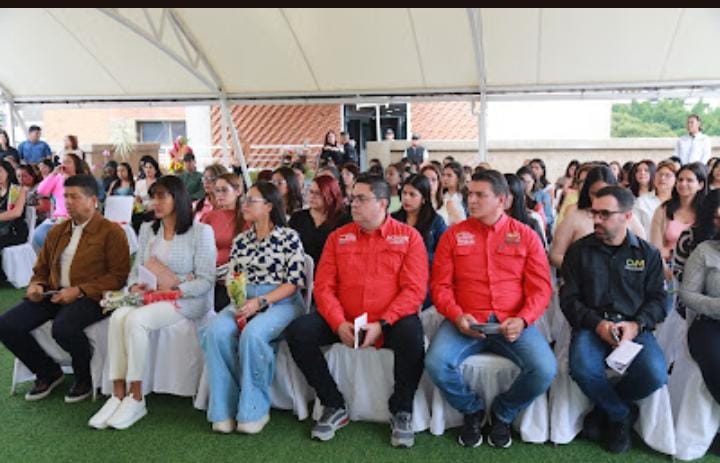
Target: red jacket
{"type": "Point", "coordinates": [501, 269]}
{"type": "Point", "coordinates": [383, 273]}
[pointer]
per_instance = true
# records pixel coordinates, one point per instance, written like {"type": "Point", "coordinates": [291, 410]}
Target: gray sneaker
{"type": "Point", "coordinates": [402, 431]}
{"type": "Point", "coordinates": [331, 420]}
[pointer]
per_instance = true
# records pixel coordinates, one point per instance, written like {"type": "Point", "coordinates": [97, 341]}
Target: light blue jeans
{"type": "Point", "coordinates": [241, 369]}
{"type": "Point", "coordinates": [530, 352]}
{"type": "Point", "coordinates": [40, 234]}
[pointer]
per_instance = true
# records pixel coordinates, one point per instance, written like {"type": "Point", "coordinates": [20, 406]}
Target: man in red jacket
{"type": "Point", "coordinates": [374, 265]}
{"type": "Point", "coordinates": [490, 271]}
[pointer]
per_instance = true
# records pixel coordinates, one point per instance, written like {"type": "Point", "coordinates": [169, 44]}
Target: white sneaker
{"type": "Point", "coordinates": [100, 419]}
{"type": "Point", "coordinates": [253, 427]}
{"type": "Point", "coordinates": [128, 413]}
{"type": "Point", "coordinates": [225, 427]}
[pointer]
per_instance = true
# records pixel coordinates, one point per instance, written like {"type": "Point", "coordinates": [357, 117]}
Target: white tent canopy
{"type": "Point", "coordinates": [167, 54]}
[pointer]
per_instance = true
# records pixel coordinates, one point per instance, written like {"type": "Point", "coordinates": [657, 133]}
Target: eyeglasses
{"type": "Point", "coordinates": [603, 214]}
{"type": "Point", "coordinates": [208, 179]}
{"type": "Point", "coordinates": [361, 199]}
{"type": "Point", "coordinates": [279, 182]}
{"type": "Point", "coordinates": [314, 193]}
{"type": "Point", "coordinates": [222, 190]}
{"type": "Point", "coordinates": [250, 200]}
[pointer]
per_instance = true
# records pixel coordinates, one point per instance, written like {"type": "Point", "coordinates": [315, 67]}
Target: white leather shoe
{"type": "Point", "coordinates": [225, 427]}
{"type": "Point", "coordinates": [128, 413]}
{"type": "Point", "coordinates": [253, 427]}
{"type": "Point", "coordinates": [100, 419]}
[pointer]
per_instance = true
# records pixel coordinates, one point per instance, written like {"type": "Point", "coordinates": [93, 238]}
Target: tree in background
{"type": "Point", "coordinates": [665, 118]}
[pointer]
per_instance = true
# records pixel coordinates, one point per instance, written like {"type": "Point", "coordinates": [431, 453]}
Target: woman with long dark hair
{"type": "Point", "coordinates": [182, 255]}
{"type": "Point", "coordinates": [418, 211]}
{"type": "Point", "coordinates": [325, 213]}
{"type": "Point", "coordinates": [348, 173]}
{"type": "Point", "coordinates": [331, 151]}
{"type": "Point", "coordinates": [393, 176]}
{"type": "Point", "coordinates": [434, 175]}
{"type": "Point", "coordinates": [642, 178]}
{"type": "Point", "coordinates": [124, 185]}
{"type": "Point", "coordinates": [227, 222]}
{"type": "Point", "coordinates": [150, 170]}
{"type": "Point", "coordinates": [647, 204]}
{"type": "Point", "coordinates": [241, 364]}
{"type": "Point", "coordinates": [454, 194]}
{"type": "Point", "coordinates": [700, 291]}
{"type": "Point", "coordinates": [5, 148]}
{"type": "Point", "coordinates": [285, 181]}
{"type": "Point", "coordinates": [679, 212]}
{"type": "Point", "coordinates": [13, 228]}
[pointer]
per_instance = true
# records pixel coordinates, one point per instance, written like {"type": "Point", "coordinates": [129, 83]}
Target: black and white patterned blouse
{"type": "Point", "coordinates": [277, 259]}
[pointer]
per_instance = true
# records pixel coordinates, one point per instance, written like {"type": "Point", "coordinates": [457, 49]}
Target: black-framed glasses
{"type": "Point", "coordinates": [361, 199]}
{"type": "Point", "coordinates": [603, 214]}
{"type": "Point", "coordinates": [250, 200]}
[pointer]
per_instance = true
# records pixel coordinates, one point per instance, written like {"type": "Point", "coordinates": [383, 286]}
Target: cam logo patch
{"type": "Point", "coordinates": [635, 265]}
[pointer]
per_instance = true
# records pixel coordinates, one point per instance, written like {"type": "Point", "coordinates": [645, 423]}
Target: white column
{"type": "Point", "coordinates": [236, 141]}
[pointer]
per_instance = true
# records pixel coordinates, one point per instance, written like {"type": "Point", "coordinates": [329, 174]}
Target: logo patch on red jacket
{"type": "Point", "coordinates": [398, 239]}
{"type": "Point", "coordinates": [465, 239]}
{"type": "Point", "coordinates": [347, 238]}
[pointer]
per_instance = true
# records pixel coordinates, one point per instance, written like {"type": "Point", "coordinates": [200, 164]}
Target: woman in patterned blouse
{"type": "Point", "coordinates": [272, 257]}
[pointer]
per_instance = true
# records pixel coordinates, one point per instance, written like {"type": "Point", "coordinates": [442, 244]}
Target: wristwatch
{"type": "Point", "coordinates": [264, 303]}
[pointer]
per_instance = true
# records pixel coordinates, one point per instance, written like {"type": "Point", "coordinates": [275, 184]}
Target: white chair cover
{"type": "Point", "coordinates": [289, 389]}
{"type": "Point", "coordinates": [366, 380]}
{"type": "Point", "coordinates": [131, 237]}
{"type": "Point", "coordinates": [569, 406]}
{"type": "Point", "coordinates": [18, 261]}
{"type": "Point", "coordinates": [96, 333]}
{"type": "Point", "coordinates": [490, 374]}
{"type": "Point", "coordinates": [175, 359]}
{"type": "Point", "coordinates": [671, 335]}
{"type": "Point", "coordinates": [697, 414]}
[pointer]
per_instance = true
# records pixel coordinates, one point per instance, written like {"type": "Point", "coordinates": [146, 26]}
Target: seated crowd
{"type": "Point", "coordinates": [478, 246]}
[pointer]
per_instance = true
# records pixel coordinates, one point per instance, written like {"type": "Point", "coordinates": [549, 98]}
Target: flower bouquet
{"type": "Point", "coordinates": [114, 299]}
{"type": "Point", "coordinates": [177, 152]}
{"type": "Point", "coordinates": [236, 284]}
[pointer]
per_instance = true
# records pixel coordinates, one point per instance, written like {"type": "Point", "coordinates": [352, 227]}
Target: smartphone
{"type": "Point", "coordinates": [49, 293]}
{"type": "Point", "coordinates": [486, 328]}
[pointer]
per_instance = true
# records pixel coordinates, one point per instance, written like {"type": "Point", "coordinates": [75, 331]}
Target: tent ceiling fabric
{"type": "Point", "coordinates": [86, 54]}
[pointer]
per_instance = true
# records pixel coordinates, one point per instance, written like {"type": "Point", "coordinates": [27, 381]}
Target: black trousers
{"type": "Point", "coordinates": [405, 338]}
{"type": "Point", "coordinates": [69, 322]}
{"type": "Point", "coordinates": [704, 344]}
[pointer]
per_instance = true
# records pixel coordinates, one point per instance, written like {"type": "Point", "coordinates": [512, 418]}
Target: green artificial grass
{"type": "Point", "coordinates": [52, 431]}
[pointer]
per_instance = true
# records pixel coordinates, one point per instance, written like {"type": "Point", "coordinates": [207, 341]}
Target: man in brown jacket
{"type": "Point", "coordinates": [80, 259]}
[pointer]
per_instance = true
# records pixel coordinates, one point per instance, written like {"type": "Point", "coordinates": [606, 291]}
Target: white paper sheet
{"type": "Point", "coordinates": [119, 208]}
{"type": "Point", "coordinates": [623, 355]}
{"type": "Point", "coordinates": [360, 323]}
{"type": "Point", "coordinates": [147, 277]}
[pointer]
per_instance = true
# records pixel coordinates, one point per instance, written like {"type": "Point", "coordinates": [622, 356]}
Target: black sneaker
{"type": "Point", "coordinates": [499, 433]}
{"type": "Point", "coordinates": [595, 425]}
{"type": "Point", "coordinates": [79, 391]}
{"type": "Point", "coordinates": [471, 432]}
{"type": "Point", "coordinates": [331, 420]}
{"type": "Point", "coordinates": [402, 430]}
{"type": "Point", "coordinates": [620, 436]}
{"type": "Point", "coordinates": [44, 386]}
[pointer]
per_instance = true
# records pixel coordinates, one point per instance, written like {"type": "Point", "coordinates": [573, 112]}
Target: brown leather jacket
{"type": "Point", "coordinates": [101, 262]}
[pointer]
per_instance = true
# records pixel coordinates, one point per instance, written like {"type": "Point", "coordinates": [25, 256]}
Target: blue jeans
{"type": "Point", "coordinates": [646, 374]}
{"type": "Point", "coordinates": [40, 234]}
{"type": "Point", "coordinates": [530, 352]}
{"type": "Point", "coordinates": [241, 368]}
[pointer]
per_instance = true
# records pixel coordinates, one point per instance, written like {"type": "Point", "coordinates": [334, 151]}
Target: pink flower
{"type": "Point", "coordinates": [106, 153]}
